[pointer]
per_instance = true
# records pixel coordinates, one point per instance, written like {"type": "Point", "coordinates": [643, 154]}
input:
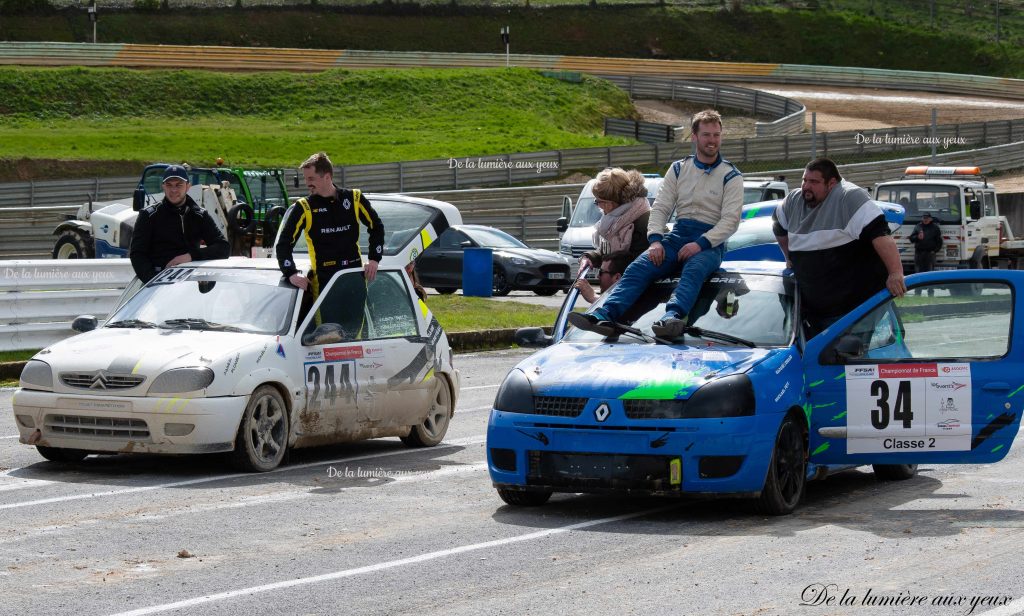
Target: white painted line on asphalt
{"type": "Point", "coordinates": [479, 387]}
{"type": "Point", "coordinates": [1010, 609]}
{"type": "Point", "coordinates": [11, 436]}
{"type": "Point", "coordinates": [391, 564]}
{"type": "Point", "coordinates": [472, 440]}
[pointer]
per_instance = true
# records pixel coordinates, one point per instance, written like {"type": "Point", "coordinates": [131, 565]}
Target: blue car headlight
{"type": "Point", "coordinates": [181, 380]}
{"type": "Point", "coordinates": [515, 394]}
{"type": "Point", "coordinates": [731, 396]}
{"type": "Point", "coordinates": [36, 375]}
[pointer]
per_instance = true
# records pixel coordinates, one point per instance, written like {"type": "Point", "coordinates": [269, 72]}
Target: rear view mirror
{"type": "Point", "coordinates": [849, 347]}
{"type": "Point", "coordinates": [531, 337]}
{"type": "Point", "coordinates": [975, 208]}
{"type": "Point", "coordinates": [84, 323]}
{"type": "Point", "coordinates": [139, 199]}
{"type": "Point", "coordinates": [562, 224]}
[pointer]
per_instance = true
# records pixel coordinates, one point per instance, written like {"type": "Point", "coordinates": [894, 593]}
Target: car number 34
{"type": "Point", "coordinates": [908, 408]}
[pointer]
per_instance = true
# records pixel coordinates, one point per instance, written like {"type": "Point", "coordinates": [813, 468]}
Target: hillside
{"type": "Point", "coordinates": [277, 119]}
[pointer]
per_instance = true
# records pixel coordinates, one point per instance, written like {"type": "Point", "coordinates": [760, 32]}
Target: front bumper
{"type": "Point", "coordinates": [127, 424]}
{"type": "Point", "coordinates": [657, 457]}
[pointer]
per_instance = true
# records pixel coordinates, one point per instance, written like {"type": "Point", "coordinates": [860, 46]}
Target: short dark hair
{"type": "Point", "coordinates": [319, 163]}
{"type": "Point", "coordinates": [826, 167]}
{"type": "Point", "coordinates": [708, 115]}
{"type": "Point", "coordinates": [617, 261]}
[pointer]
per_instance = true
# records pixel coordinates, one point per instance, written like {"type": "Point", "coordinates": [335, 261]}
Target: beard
{"type": "Point", "coordinates": [809, 198]}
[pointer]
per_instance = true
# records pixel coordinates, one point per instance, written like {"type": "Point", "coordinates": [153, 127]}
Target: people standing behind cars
{"type": "Point", "coordinates": [837, 242]}
{"type": "Point", "coordinates": [927, 240]}
{"type": "Point", "coordinates": [612, 266]}
{"type": "Point", "coordinates": [175, 230]}
{"type": "Point", "coordinates": [625, 213]}
{"type": "Point", "coordinates": [704, 193]}
{"type": "Point", "coordinates": [330, 216]}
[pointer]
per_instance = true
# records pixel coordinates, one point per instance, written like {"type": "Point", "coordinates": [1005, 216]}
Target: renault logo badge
{"type": "Point", "coordinates": [602, 412]}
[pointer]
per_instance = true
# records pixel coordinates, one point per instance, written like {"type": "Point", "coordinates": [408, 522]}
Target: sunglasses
{"type": "Point", "coordinates": [603, 271]}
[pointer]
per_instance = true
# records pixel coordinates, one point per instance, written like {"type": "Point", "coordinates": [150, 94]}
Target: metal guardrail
{"type": "Point", "coordinates": [39, 299]}
{"type": "Point", "coordinates": [646, 132]}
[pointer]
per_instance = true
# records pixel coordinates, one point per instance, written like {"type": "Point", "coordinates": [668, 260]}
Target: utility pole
{"type": "Point", "coordinates": [504, 37]}
{"type": "Point", "coordinates": [93, 18]}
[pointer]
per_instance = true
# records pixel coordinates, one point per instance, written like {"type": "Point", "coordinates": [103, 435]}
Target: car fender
{"type": "Point", "coordinates": [73, 225]}
{"type": "Point", "coordinates": [271, 375]}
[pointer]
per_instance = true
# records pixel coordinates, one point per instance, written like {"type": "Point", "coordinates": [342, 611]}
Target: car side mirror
{"type": "Point", "coordinates": [466, 243]}
{"type": "Point", "coordinates": [562, 224]}
{"type": "Point", "coordinates": [139, 199]}
{"type": "Point", "coordinates": [849, 347]}
{"type": "Point", "coordinates": [975, 208]}
{"type": "Point", "coordinates": [531, 337]}
{"type": "Point", "coordinates": [84, 323]}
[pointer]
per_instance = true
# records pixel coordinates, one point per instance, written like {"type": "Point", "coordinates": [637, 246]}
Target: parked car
{"type": "Point", "coordinates": [516, 265]}
{"type": "Point", "coordinates": [742, 404]}
{"type": "Point", "coordinates": [226, 356]}
{"type": "Point", "coordinates": [754, 239]}
{"type": "Point", "coordinates": [764, 189]}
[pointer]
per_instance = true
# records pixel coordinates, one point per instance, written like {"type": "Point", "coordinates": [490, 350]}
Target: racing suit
{"type": "Point", "coordinates": [331, 225]}
{"type": "Point", "coordinates": [164, 231]}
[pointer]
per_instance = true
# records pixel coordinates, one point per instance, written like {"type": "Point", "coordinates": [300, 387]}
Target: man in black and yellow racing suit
{"type": "Point", "coordinates": [330, 217]}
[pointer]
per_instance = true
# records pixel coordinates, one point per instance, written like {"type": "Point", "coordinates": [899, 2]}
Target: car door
{"type": "Point", "coordinates": [936, 376]}
{"type": "Point", "coordinates": [365, 364]}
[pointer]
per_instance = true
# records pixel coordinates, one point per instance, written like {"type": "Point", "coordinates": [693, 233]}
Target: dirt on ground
{"type": "Point", "coordinates": [839, 109]}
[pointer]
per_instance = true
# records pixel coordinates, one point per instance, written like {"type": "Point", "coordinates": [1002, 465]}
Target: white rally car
{"type": "Point", "coordinates": [226, 356]}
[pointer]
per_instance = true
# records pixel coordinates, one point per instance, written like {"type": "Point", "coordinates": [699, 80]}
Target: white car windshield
{"type": "Point", "coordinates": [752, 307]}
{"type": "Point", "coordinates": [238, 300]}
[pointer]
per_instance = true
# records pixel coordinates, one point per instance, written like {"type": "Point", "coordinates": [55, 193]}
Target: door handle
{"type": "Point", "coordinates": [996, 386]}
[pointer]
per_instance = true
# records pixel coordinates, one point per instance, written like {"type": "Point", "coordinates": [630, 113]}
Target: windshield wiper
{"type": "Point", "coordinates": [131, 323]}
{"type": "Point", "coordinates": [193, 323]}
{"type": "Point", "coordinates": [707, 333]}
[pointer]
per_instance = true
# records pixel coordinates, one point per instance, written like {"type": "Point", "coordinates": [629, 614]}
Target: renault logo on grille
{"type": "Point", "coordinates": [602, 412]}
{"type": "Point", "coordinates": [99, 381]}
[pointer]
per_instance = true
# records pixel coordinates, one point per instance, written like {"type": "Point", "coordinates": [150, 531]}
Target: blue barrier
{"type": "Point", "coordinates": [477, 272]}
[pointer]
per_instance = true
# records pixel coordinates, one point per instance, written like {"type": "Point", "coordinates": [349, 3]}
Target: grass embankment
{"type": "Point", "coordinates": [278, 119]}
{"type": "Point", "coordinates": [846, 37]}
{"type": "Point", "coordinates": [457, 313]}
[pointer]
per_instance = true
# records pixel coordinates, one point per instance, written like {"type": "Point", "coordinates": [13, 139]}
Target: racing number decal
{"type": "Point", "coordinates": [893, 408]}
{"type": "Point", "coordinates": [903, 411]}
{"type": "Point", "coordinates": [327, 384]}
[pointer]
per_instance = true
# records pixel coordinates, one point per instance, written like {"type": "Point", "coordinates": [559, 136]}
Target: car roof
{"type": "Point", "coordinates": [251, 263]}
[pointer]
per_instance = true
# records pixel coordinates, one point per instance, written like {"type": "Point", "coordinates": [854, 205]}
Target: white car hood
{"type": "Point", "coordinates": [146, 352]}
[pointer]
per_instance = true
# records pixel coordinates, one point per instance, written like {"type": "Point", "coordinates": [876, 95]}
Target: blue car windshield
{"type": "Point", "coordinates": [754, 307]}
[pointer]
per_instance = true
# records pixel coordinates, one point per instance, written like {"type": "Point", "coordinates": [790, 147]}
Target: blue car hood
{"type": "Point", "coordinates": [633, 371]}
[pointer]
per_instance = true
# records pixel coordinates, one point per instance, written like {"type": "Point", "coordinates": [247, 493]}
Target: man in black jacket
{"type": "Point", "coordinates": [173, 231]}
{"type": "Point", "coordinates": [927, 240]}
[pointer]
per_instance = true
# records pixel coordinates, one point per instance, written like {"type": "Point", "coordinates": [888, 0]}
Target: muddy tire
{"type": "Point", "coordinates": [439, 416]}
{"type": "Point", "coordinates": [787, 471]}
{"type": "Point", "coordinates": [262, 438]}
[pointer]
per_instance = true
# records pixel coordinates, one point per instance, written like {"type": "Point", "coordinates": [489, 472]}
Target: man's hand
{"type": "Point", "coordinates": [896, 285]}
{"type": "Point", "coordinates": [688, 251]}
{"type": "Point", "coordinates": [586, 290]}
{"type": "Point", "coordinates": [920, 235]}
{"type": "Point", "coordinates": [584, 262]}
{"type": "Point", "coordinates": [299, 281]}
{"type": "Point", "coordinates": [370, 269]}
{"type": "Point", "coordinates": [656, 253]}
{"type": "Point", "coordinates": [178, 260]}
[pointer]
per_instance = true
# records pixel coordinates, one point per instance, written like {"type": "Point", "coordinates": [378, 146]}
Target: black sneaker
{"type": "Point", "coordinates": [669, 328]}
{"type": "Point", "coordinates": [590, 323]}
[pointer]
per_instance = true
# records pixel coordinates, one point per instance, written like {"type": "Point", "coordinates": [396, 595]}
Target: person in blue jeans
{"type": "Point", "coordinates": [704, 193]}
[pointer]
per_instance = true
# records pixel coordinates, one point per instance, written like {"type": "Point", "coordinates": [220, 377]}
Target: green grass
{"type": "Point", "coordinates": [6, 356]}
{"type": "Point", "coordinates": [270, 119]}
{"type": "Point", "coordinates": [457, 313]}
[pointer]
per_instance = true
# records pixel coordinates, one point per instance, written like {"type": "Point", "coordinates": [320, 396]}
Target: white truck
{"type": "Point", "coordinates": [964, 204]}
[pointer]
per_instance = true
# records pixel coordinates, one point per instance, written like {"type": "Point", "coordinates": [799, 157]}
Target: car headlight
{"type": "Point", "coordinates": [36, 375]}
{"type": "Point", "coordinates": [515, 394]}
{"type": "Point", "coordinates": [565, 249]}
{"type": "Point", "coordinates": [180, 380]}
{"type": "Point", "coordinates": [731, 396]}
{"type": "Point", "coordinates": [519, 261]}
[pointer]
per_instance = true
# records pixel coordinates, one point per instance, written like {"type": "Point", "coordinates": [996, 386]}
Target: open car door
{"type": "Point", "coordinates": [936, 376]}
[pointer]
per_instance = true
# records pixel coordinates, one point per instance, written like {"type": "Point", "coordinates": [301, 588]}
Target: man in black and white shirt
{"type": "Point", "coordinates": [837, 242]}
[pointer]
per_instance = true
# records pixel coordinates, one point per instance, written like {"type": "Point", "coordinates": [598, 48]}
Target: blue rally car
{"type": "Point", "coordinates": [743, 405]}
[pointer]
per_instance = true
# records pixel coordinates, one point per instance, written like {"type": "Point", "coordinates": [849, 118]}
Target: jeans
{"type": "Point", "coordinates": [643, 271]}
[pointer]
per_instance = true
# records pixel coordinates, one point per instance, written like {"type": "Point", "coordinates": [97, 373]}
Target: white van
{"type": "Point", "coordinates": [577, 224]}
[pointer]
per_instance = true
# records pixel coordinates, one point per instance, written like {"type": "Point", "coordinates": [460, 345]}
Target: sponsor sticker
{"type": "Point", "coordinates": [343, 353]}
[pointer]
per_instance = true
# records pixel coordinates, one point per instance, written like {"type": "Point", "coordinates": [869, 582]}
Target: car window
{"type": "Point", "coordinates": [755, 307]}
{"type": "Point", "coordinates": [586, 213]}
{"type": "Point", "coordinates": [152, 179]}
{"type": "Point", "coordinates": [494, 238]}
{"type": "Point", "coordinates": [962, 320]}
{"type": "Point", "coordinates": [450, 240]}
{"type": "Point", "coordinates": [390, 308]}
{"type": "Point", "coordinates": [942, 202]}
